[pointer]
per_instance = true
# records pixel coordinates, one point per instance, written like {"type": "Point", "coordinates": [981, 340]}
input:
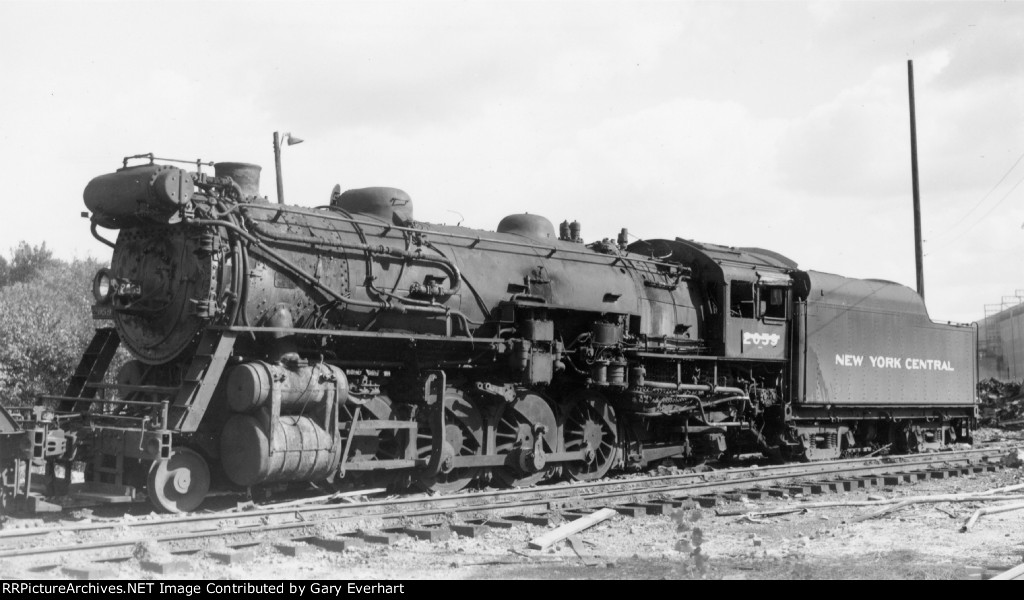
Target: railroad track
{"type": "Point", "coordinates": [437, 517]}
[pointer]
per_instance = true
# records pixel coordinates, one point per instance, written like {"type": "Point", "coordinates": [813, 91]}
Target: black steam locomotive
{"type": "Point", "coordinates": [350, 343]}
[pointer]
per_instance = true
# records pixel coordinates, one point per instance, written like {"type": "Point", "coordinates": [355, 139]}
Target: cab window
{"type": "Point", "coordinates": [772, 302]}
{"type": "Point", "coordinates": [741, 299]}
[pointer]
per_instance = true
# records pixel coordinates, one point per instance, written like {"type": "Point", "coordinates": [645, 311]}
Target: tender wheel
{"type": "Point", "coordinates": [516, 434]}
{"type": "Point", "coordinates": [464, 434]}
{"type": "Point", "coordinates": [180, 483]}
{"type": "Point", "coordinates": [590, 426]}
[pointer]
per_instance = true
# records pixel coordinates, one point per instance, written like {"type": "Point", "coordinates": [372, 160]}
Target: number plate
{"type": "Point", "coordinates": [102, 311]}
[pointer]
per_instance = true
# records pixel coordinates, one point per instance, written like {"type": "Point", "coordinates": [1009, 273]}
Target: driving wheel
{"type": "Point", "coordinates": [590, 426]}
{"type": "Point", "coordinates": [464, 436]}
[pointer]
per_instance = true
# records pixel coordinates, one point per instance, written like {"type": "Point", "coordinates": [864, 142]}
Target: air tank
{"type": "Point", "coordinates": [251, 385]}
{"type": "Point", "coordinates": [300, 449]}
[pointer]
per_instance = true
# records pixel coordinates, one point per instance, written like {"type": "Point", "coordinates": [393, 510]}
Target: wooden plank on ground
{"type": "Point", "coordinates": [560, 533]}
{"type": "Point", "coordinates": [1014, 573]}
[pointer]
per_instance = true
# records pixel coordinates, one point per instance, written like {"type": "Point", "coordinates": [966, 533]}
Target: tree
{"type": "Point", "coordinates": [45, 324]}
{"type": "Point", "coordinates": [26, 262]}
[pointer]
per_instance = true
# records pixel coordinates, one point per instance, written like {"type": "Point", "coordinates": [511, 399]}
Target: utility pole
{"type": "Point", "coordinates": [918, 244]}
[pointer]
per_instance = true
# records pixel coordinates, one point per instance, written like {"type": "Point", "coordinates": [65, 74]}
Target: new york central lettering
{"type": "Point", "coordinates": [894, 362]}
{"type": "Point", "coordinates": [886, 362]}
{"type": "Point", "coordinates": [849, 360]}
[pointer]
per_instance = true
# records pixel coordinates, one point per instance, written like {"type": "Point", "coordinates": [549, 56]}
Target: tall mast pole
{"type": "Point", "coordinates": [918, 245]}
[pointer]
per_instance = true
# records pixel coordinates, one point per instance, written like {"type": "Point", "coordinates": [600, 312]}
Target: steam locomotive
{"type": "Point", "coordinates": [350, 344]}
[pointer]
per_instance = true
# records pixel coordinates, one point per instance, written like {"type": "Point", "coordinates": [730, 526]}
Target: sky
{"type": "Point", "coordinates": [781, 125]}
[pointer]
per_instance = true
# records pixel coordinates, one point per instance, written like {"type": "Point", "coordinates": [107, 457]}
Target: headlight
{"type": "Point", "coordinates": [103, 285]}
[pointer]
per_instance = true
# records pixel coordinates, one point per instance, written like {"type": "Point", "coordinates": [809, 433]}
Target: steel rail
{"type": "Point", "coordinates": [529, 500]}
{"type": "Point", "coordinates": [555, 490]}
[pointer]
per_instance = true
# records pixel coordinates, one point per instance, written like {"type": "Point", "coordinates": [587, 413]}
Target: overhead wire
{"type": "Point", "coordinates": [987, 213]}
{"type": "Point", "coordinates": [979, 203]}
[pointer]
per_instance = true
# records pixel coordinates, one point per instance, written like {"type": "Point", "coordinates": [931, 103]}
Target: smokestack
{"type": "Point", "coordinates": [246, 175]}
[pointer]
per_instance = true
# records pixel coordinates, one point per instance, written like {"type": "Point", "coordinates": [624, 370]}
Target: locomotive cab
{"type": "Point", "coordinates": [745, 295]}
{"type": "Point", "coordinates": [757, 323]}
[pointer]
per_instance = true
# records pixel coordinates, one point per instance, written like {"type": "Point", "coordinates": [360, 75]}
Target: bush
{"type": "Point", "coordinates": [45, 323]}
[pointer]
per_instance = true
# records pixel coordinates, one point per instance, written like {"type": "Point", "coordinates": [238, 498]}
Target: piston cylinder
{"type": "Point", "coordinates": [301, 450]}
{"type": "Point", "coordinates": [253, 384]}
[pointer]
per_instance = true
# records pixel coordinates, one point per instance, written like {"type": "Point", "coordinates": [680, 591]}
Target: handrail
{"type": "Point", "coordinates": [474, 238]}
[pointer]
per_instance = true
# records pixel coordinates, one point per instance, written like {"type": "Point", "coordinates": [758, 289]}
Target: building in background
{"type": "Point", "coordinates": [1001, 339]}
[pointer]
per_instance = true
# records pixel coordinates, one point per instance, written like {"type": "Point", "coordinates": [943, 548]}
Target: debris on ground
{"type": "Point", "coordinates": [1001, 403]}
{"type": "Point", "coordinates": [991, 510]}
{"type": "Point", "coordinates": [1015, 458]}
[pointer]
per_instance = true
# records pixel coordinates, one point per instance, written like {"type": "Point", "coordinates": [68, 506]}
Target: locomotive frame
{"type": "Point", "coordinates": [352, 345]}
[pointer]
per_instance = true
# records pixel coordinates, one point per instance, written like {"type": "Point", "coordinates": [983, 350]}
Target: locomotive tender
{"type": "Point", "coordinates": [352, 343]}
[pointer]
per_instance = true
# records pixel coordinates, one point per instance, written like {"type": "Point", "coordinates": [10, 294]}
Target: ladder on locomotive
{"type": "Point", "coordinates": [190, 399]}
{"type": "Point", "coordinates": [91, 368]}
{"type": "Point", "coordinates": [200, 380]}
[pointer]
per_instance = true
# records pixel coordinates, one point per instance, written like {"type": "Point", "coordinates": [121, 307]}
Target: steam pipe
{"type": "Point", "coordinates": [453, 272]}
{"type": "Point", "coordinates": [427, 310]}
{"type": "Point", "coordinates": [99, 237]}
{"type": "Point", "coordinates": [693, 387]}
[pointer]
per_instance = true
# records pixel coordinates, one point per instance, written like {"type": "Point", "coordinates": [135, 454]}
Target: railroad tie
{"type": "Point", "coordinates": [386, 537]}
{"type": "Point", "coordinates": [295, 550]}
{"type": "Point", "coordinates": [431, 532]}
{"type": "Point", "coordinates": [231, 556]}
{"type": "Point", "coordinates": [89, 572]}
{"type": "Point", "coordinates": [499, 523]}
{"type": "Point", "coordinates": [653, 508]}
{"type": "Point", "coordinates": [798, 489]}
{"type": "Point", "coordinates": [542, 519]}
{"type": "Point", "coordinates": [473, 530]}
{"type": "Point", "coordinates": [164, 566]}
{"type": "Point", "coordinates": [708, 500]}
{"type": "Point", "coordinates": [630, 510]}
{"type": "Point", "coordinates": [831, 486]}
{"type": "Point", "coordinates": [338, 543]}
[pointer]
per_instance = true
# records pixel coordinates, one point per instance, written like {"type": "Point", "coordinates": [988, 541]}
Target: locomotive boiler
{"type": "Point", "coordinates": [350, 344]}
